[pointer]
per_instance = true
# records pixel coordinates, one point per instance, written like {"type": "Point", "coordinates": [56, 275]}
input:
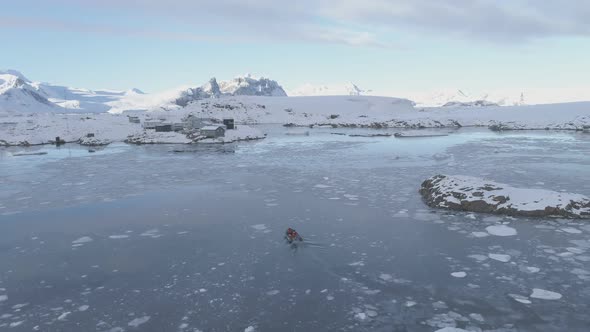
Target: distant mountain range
{"type": "Point", "coordinates": [440, 98]}
{"type": "Point", "coordinates": [19, 94]}
{"type": "Point", "coordinates": [347, 89]}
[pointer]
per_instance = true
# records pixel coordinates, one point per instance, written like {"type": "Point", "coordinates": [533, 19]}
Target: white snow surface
{"type": "Point", "coordinates": [386, 111]}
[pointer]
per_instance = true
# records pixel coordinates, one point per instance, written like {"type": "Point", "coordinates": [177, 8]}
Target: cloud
{"type": "Point", "coordinates": [351, 22]}
{"type": "Point", "coordinates": [103, 29]}
{"type": "Point", "coordinates": [487, 20]}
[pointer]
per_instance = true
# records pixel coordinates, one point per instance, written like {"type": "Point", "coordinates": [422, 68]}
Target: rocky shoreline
{"type": "Point", "coordinates": [465, 193]}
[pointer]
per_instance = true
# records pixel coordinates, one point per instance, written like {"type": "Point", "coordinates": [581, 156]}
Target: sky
{"type": "Point", "coordinates": [388, 46]}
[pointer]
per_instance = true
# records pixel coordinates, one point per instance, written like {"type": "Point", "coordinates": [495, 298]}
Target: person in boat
{"type": "Point", "coordinates": [291, 236]}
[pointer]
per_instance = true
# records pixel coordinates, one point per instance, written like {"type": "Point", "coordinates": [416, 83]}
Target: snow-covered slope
{"type": "Point", "coordinates": [379, 112]}
{"type": "Point", "coordinates": [346, 89]}
{"type": "Point", "coordinates": [18, 94]}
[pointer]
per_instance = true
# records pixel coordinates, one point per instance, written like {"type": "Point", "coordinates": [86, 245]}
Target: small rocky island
{"type": "Point", "coordinates": [466, 193]}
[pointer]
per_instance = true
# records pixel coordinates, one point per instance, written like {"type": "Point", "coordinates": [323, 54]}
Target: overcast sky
{"type": "Point", "coordinates": [387, 46]}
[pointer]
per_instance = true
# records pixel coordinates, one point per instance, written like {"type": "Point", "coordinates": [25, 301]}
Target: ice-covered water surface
{"type": "Point", "coordinates": [155, 240]}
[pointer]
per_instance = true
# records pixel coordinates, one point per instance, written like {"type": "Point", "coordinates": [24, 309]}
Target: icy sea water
{"type": "Point", "coordinates": [141, 238]}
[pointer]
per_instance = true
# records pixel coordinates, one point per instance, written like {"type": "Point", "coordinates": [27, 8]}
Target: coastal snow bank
{"type": "Point", "coordinates": [101, 129]}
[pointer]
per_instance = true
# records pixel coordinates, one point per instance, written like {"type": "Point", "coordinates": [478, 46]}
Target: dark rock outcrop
{"type": "Point", "coordinates": [465, 193]}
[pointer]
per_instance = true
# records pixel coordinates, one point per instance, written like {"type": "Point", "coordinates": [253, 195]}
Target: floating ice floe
{"type": "Point", "coordinates": [272, 292]}
{"type": "Point", "coordinates": [545, 294]}
{"type": "Point", "coordinates": [359, 263]}
{"type": "Point", "coordinates": [64, 316]}
{"type": "Point", "coordinates": [259, 227]}
{"type": "Point", "coordinates": [581, 273]}
{"type": "Point", "coordinates": [451, 329]}
{"type": "Point", "coordinates": [15, 324]}
{"type": "Point", "coordinates": [385, 277]}
{"type": "Point", "coordinates": [360, 316]}
{"type": "Point", "coordinates": [117, 237]}
{"type": "Point", "coordinates": [460, 274]}
{"type": "Point", "coordinates": [83, 307]}
{"type": "Point", "coordinates": [500, 257]}
{"type": "Point", "coordinates": [476, 317]}
{"type": "Point", "coordinates": [371, 313]}
{"type": "Point", "coordinates": [410, 304]}
{"type": "Point", "coordinates": [520, 298]}
{"type": "Point", "coordinates": [574, 250]}
{"type": "Point", "coordinates": [139, 321]}
{"type": "Point", "coordinates": [249, 329]}
{"type": "Point", "coordinates": [480, 234]}
{"type": "Point", "coordinates": [153, 233]}
{"type": "Point", "coordinates": [571, 230]}
{"type": "Point", "coordinates": [478, 257]}
{"type": "Point", "coordinates": [3, 298]}
{"type": "Point", "coordinates": [468, 193]}
{"type": "Point", "coordinates": [84, 239]}
{"type": "Point", "coordinates": [501, 230]}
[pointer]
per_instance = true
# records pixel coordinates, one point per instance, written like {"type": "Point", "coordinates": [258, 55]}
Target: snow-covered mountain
{"type": "Point", "coordinates": [500, 97]}
{"type": "Point", "coordinates": [462, 98]}
{"type": "Point", "coordinates": [250, 86]}
{"type": "Point", "coordinates": [18, 94]}
{"type": "Point", "coordinates": [239, 86]}
{"type": "Point", "coordinates": [345, 89]}
{"type": "Point", "coordinates": [439, 98]}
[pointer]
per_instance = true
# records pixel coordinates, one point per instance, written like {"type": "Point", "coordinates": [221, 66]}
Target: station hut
{"type": "Point", "coordinates": [213, 131]}
{"type": "Point", "coordinates": [163, 127]}
{"type": "Point", "coordinates": [229, 123]}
